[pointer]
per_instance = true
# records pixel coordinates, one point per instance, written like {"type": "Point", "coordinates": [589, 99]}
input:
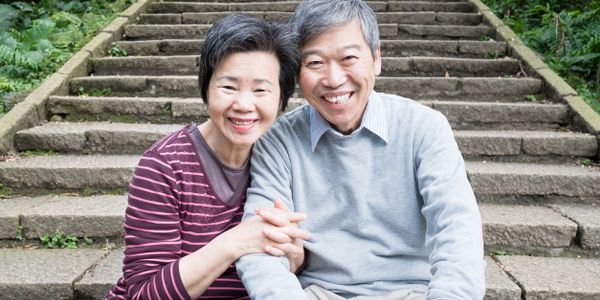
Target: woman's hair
{"type": "Point", "coordinates": [242, 33]}
{"type": "Point", "coordinates": [313, 17]}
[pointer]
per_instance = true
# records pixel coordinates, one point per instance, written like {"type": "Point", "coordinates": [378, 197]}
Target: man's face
{"type": "Point", "coordinates": [338, 73]}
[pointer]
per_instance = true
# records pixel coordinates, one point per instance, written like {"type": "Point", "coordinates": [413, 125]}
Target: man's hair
{"type": "Point", "coordinates": [242, 33]}
{"type": "Point", "coordinates": [313, 17]}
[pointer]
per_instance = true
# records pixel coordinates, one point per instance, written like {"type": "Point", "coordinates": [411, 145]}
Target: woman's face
{"type": "Point", "coordinates": [243, 96]}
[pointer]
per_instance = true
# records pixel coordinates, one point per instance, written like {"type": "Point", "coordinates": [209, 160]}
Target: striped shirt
{"type": "Point", "coordinates": [172, 211]}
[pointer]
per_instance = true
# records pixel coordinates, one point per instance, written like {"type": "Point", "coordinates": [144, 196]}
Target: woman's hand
{"type": "Point", "coordinates": [281, 216]}
{"type": "Point", "coordinates": [273, 231]}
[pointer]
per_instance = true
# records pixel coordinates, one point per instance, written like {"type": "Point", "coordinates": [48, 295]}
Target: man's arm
{"type": "Point", "coordinates": [265, 276]}
{"type": "Point", "coordinates": [454, 237]}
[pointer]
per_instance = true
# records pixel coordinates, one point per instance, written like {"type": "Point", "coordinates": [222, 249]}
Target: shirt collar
{"type": "Point", "coordinates": [374, 119]}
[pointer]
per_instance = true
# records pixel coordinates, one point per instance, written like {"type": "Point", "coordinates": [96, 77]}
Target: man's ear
{"type": "Point", "coordinates": [377, 60]}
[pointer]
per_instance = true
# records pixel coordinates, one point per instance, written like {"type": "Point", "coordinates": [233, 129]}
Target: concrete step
{"type": "Point", "coordinates": [423, 18]}
{"type": "Point", "coordinates": [534, 183]}
{"type": "Point", "coordinates": [103, 272]}
{"type": "Point", "coordinates": [523, 145]}
{"type": "Point", "coordinates": [418, 88]}
{"type": "Point", "coordinates": [88, 173]}
{"type": "Point", "coordinates": [289, 6]}
{"type": "Point", "coordinates": [386, 31]}
{"type": "Point", "coordinates": [92, 137]}
{"type": "Point", "coordinates": [124, 138]}
{"type": "Point", "coordinates": [512, 227]}
{"type": "Point", "coordinates": [586, 217]}
{"type": "Point", "coordinates": [44, 273]}
{"type": "Point", "coordinates": [469, 115]}
{"type": "Point", "coordinates": [400, 48]}
{"type": "Point", "coordinates": [554, 277]}
{"type": "Point", "coordinates": [92, 216]}
{"type": "Point", "coordinates": [491, 181]}
{"type": "Point", "coordinates": [391, 66]}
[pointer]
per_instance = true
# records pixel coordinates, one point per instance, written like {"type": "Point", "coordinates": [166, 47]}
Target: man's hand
{"type": "Point", "coordinates": [287, 235]}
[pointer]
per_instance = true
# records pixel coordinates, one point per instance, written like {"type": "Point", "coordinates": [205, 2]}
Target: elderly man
{"type": "Point", "coordinates": [390, 210]}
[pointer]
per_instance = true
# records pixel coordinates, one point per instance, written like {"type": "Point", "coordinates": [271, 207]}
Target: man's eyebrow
{"type": "Point", "coordinates": [317, 52]}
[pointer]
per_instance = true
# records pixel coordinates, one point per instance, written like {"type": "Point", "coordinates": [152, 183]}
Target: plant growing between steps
{"type": "Point", "coordinates": [94, 92]}
{"type": "Point", "coordinates": [59, 241]}
{"type": "Point", "coordinates": [117, 51]}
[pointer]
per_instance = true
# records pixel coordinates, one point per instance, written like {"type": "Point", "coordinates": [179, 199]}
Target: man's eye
{"type": "Point", "coordinates": [350, 59]}
{"type": "Point", "coordinates": [228, 87]}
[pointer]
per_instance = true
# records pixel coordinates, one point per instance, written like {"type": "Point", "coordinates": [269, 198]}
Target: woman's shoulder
{"type": "Point", "coordinates": [176, 141]}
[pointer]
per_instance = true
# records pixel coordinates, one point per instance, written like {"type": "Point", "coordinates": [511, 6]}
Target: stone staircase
{"type": "Point", "coordinates": [532, 167]}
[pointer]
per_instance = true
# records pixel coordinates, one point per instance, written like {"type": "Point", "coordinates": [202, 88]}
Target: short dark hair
{"type": "Point", "coordinates": [243, 33]}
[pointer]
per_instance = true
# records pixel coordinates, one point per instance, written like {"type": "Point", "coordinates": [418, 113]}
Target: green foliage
{"type": "Point", "coordinates": [115, 50]}
{"type": "Point", "coordinates": [36, 38]}
{"type": "Point", "coordinates": [19, 236]}
{"type": "Point", "coordinates": [59, 240]}
{"type": "Point", "coordinates": [565, 33]}
{"type": "Point", "coordinates": [39, 152]}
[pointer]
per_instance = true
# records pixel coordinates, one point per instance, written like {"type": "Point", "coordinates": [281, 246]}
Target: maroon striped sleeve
{"type": "Point", "coordinates": [152, 232]}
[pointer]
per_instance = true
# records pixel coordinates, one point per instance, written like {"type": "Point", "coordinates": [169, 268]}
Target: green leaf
{"type": "Point", "coordinates": [9, 15]}
{"type": "Point", "coordinates": [8, 40]}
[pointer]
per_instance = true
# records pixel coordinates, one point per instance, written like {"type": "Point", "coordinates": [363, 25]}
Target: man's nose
{"type": "Point", "coordinates": [335, 75]}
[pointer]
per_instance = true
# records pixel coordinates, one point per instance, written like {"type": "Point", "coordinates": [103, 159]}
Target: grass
{"type": "Point", "coordinates": [39, 152]}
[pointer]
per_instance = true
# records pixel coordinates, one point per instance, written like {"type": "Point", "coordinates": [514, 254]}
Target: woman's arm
{"type": "Point", "coordinates": [255, 235]}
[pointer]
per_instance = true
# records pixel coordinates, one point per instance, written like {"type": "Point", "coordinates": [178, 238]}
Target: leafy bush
{"type": "Point", "coordinates": [565, 33]}
{"type": "Point", "coordinates": [37, 38]}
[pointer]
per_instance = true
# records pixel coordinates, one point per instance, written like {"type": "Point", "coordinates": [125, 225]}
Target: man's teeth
{"type": "Point", "coordinates": [240, 122]}
{"type": "Point", "coordinates": [338, 99]}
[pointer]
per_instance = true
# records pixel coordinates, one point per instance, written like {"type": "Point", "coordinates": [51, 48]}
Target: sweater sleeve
{"type": "Point", "coordinates": [268, 277]}
{"type": "Point", "coordinates": [152, 232]}
{"type": "Point", "coordinates": [454, 237]}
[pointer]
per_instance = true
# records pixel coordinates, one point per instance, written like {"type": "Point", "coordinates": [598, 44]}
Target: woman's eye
{"type": "Point", "coordinates": [228, 87]}
{"type": "Point", "coordinates": [314, 64]}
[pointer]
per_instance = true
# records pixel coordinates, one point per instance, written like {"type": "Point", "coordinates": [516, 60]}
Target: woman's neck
{"type": "Point", "coordinates": [231, 155]}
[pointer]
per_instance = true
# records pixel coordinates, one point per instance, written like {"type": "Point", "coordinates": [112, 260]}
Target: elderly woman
{"type": "Point", "coordinates": [186, 198]}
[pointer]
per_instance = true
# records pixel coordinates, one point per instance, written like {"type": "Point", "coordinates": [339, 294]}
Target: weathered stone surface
{"type": "Point", "coordinates": [163, 19]}
{"type": "Point", "coordinates": [554, 277]}
{"type": "Point", "coordinates": [122, 138]}
{"type": "Point", "coordinates": [136, 9]}
{"type": "Point", "coordinates": [444, 32]}
{"type": "Point", "coordinates": [458, 18]}
{"type": "Point", "coordinates": [436, 88]}
{"type": "Point", "coordinates": [99, 280]}
{"type": "Point", "coordinates": [11, 210]}
{"type": "Point", "coordinates": [99, 44]}
{"type": "Point", "coordinates": [77, 66]}
{"type": "Point", "coordinates": [43, 274]}
{"type": "Point", "coordinates": [116, 27]}
{"type": "Point", "coordinates": [430, 6]}
{"type": "Point", "coordinates": [137, 32]}
{"type": "Point", "coordinates": [69, 172]}
{"type": "Point", "coordinates": [23, 115]}
{"type": "Point", "coordinates": [97, 216]}
{"type": "Point", "coordinates": [498, 284]}
{"type": "Point", "coordinates": [514, 226]}
{"type": "Point", "coordinates": [52, 136]}
{"type": "Point", "coordinates": [146, 65]}
{"type": "Point", "coordinates": [486, 48]}
{"type": "Point", "coordinates": [459, 112]}
{"type": "Point", "coordinates": [144, 86]}
{"type": "Point", "coordinates": [460, 67]}
{"type": "Point", "coordinates": [560, 143]}
{"type": "Point", "coordinates": [187, 108]}
{"type": "Point", "coordinates": [110, 108]}
{"type": "Point", "coordinates": [140, 47]}
{"type": "Point", "coordinates": [533, 179]}
{"type": "Point", "coordinates": [586, 216]}
{"type": "Point", "coordinates": [488, 142]}
{"type": "Point", "coordinates": [584, 116]}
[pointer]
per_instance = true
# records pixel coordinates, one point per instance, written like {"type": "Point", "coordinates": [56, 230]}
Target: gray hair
{"type": "Point", "coordinates": [313, 17]}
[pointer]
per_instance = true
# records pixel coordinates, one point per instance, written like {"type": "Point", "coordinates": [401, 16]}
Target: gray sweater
{"type": "Point", "coordinates": [389, 206]}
